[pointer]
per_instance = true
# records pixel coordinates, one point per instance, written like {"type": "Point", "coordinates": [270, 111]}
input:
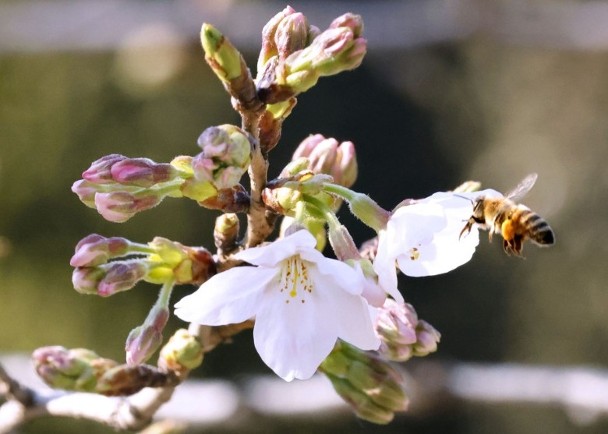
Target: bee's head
{"type": "Point", "coordinates": [478, 207]}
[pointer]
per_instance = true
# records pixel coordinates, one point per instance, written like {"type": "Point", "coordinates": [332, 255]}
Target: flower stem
{"type": "Point", "coordinates": [165, 294]}
{"type": "Point", "coordinates": [340, 239]}
{"type": "Point", "coordinates": [361, 205]}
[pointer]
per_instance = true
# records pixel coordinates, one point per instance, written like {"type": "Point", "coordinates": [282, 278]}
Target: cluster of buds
{"type": "Point", "coordinates": [217, 170]}
{"type": "Point", "coordinates": [402, 334]}
{"type": "Point", "coordinates": [120, 187]}
{"type": "Point", "coordinates": [369, 384]}
{"type": "Point", "coordinates": [83, 370]}
{"type": "Point", "coordinates": [330, 157]}
{"type": "Point", "coordinates": [295, 54]}
{"type": "Point", "coordinates": [105, 266]}
{"type": "Point", "coordinates": [317, 161]}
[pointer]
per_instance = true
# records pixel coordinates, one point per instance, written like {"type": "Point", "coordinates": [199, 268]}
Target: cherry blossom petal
{"type": "Point", "coordinates": [294, 338]}
{"type": "Point", "coordinates": [229, 297]}
{"type": "Point", "coordinates": [351, 316]}
{"type": "Point", "coordinates": [338, 274]}
{"type": "Point", "coordinates": [271, 254]}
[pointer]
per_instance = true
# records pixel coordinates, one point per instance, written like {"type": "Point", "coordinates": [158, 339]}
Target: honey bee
{"type": "Point", "coordinates": [514, 221]}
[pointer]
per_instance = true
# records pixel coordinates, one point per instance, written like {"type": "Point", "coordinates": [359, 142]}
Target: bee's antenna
{"type": "Point", "coordinates": [465, 198]}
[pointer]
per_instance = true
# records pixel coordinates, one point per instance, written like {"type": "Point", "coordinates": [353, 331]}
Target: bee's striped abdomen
{"type": "Point", "coordinates": [537, 228]}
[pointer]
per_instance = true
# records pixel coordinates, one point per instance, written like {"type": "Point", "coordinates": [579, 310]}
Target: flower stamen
{"type": "Point", "coordinates": [294, 277]}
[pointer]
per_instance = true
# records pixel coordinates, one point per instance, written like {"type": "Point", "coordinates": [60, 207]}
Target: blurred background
{"type": "Point", "coordinates": [488, 90]}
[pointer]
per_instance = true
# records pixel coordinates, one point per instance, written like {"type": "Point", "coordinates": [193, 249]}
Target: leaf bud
{"type": "Point", "coordinates": [182, 353]}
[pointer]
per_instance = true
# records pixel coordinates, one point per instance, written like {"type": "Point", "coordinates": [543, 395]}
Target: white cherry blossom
{"type": "Point", "coordinates": [423, 238]}
{"type": "Point", "coordinates": [302, 303]}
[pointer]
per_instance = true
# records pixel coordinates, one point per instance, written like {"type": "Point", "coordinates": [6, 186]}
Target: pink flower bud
{"type": "Point", "coordinates": [120, 206]}
{"type": "Point", "coordinates": [269, 47]}
{"type": "Point", "coordinates": [396, 327]}
{"type": "Point", "coordinates": [225, 157]}
{"type": "Point", "coordinates": [327, 156]}
{"type": "Point", "coordinates": [121, 276]}
{"type": "Point", "coordinates": [86, 192]}
{"type": "Point", "coordinates": [345, 168]}
{"type": "Point", "coordinates": [96, 250]}
{"type": "Point", "coordinates": [351, 21]}
{"type": "Point", "coordinates": [427, 339]}
{"type": "Point", "coordinates": [144, 340]}
{"type": "Point", "coordinates": [142, 172]}
{"type": "Point", "coordinates": [307, 145]}
{"type": "Point", "coordinates": [291, 34]}
{"type": "Point", "coordinates": [86, 279]}
{"type": "Point", "coordinates": [100, 170]}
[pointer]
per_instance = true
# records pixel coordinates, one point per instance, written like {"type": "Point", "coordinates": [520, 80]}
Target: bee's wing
{"type": "Point", "coordinates": [522, 188]}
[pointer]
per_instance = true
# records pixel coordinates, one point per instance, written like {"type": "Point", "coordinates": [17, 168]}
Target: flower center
{"type": "Point", "coordinates": [414, 253]}
{"type": "Point", "coordinates": [295, 279]}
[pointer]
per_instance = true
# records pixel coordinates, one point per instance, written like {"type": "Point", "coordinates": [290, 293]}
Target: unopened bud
{"type": "Point", "coordinates": [340, 51]}
{"type": "Point", "coordinates": [86, 280]}
{"type": "Point", "coordinates": [350, 20]}
{"type": "Point", "coordinates": [142, 172]}
{"type": "Point", "coordinates": [225, 157]}
{"type": "Point", "coordinates": [144, 340]}
{"type": "Point", "coordinates": [333, 51]}
{"type": "Point", "coordinates": [396, 327]}
{"type": "Point", "coordinates": [402, 334]}
{"type": "Point", "coordinates": [373, 388]}
{"type": "Point", "coordinates": [96, 250]}
{"type": "Point", "coordinates": [269, 47]}
{"type": "Point", "coordinates": [225, 233]}
{"type": "Point", "coordinates": [427, 338]}
{"type": "Point", "coordinates": [85, 191]}
{"type": "Point", "coordinates": [120, 276]}
{"type": "Point", "coordinates": [281, 200]}
{"type": "Point", "coordinates": [223, 58]}
{"type": "Point", "coordinates": [181, 354]}
{"type": "Point", "coordinates": [120, 206]}
{"type": "Point", "coordinates": [76, 369]}
{"type": "Point", "coordinates": [291, 34]}
{"type": "Point", "coordinates": [100, 170]}
{"type": "Point", "coordinates": [329, 157]}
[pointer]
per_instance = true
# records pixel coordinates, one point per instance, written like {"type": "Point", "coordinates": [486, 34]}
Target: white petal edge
{"type": "Point", "coordinates": [230, 297]}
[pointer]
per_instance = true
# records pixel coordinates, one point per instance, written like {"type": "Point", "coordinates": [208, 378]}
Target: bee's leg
{"type": "Point", "coordinates": [467, 228]}
{"type": "Point", "coordinates": [518, 245]}
{"type": "Point", "coordinates": [513, 246]}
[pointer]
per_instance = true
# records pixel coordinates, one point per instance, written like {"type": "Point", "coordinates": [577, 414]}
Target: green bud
{"type": "Point", "coordinates": [181, 354]}
{"type": "Point", "coordinates": [369, 384]}
{"type": "Point", "coordinates": [224, 59]}
{"type": "Point", "coordinates": [225, 233]}
{"type": "Point", "coordinates": [363, 407]}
